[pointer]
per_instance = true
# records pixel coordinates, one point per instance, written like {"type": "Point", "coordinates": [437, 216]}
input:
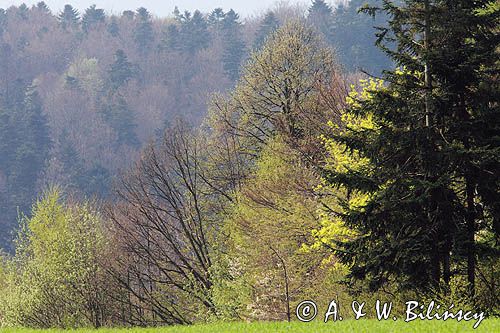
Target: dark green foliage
{"type": "Point", "coordinates": [69, 17]}
{"type": "Point", "coordinates": [435, 149]}
{"type": "Point", "coordinates": [118, 115]}
{"type": "Point", "coordinates": [92, 17]}
{"type": "Point", "coordinates": [193, 30]}
{"type": "Point", "coordinates": [3, 21]}
{"type": "Point", "coordinates": [23, 11]}
{"type": "Point", "coordinates": [143, 33]}
{"type": "Point", "coordinates": [128, 14]}
{"type": "Point", "coordinates": [24, 147]}
{"type": "Point", "coordinates": [170, 40]}
{"type": "Point", "coordinates": [234, 47]}
{"type": "Point", "coordinates": [113, 28]}
{"type": "Point", "coordinates": [353, 36]}
{"type": "Point", "coordinates": [268, 25]}
{"type": "Point", "coordinates": [120, 71]}
{"type": "Point", "coordinates": [42, 7]}
{"type": "Point", "coordinates": [320, 16]}
{"type": "Point", "coordinates": [215, 18]}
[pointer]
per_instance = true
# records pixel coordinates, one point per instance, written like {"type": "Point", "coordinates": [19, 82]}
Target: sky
{"type": "Point", "coordinates": [161, 8]}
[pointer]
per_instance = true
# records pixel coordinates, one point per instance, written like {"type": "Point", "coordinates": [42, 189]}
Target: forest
{"type": "Point", "coordinates": [205, 167]}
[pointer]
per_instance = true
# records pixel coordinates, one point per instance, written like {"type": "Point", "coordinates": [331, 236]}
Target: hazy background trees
{"type": "Point", "coordinates": [99, 87]}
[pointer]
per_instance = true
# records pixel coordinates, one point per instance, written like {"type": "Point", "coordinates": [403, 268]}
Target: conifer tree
{"type": "Point", "coordinates": [320, 16]}
{"type": "Point", "coordinates": [92, 17]}
{"type": "Point", "coordinates": [425, 154]}
{"type": "Point", "coordinates": [170, 40]}
{"type": "Point", "coordinates": [120, 71]}
{"type": "Point", "coordinates": [234, 47]}
{"type": "Point", "coordinates": [269, 24]}
{"type": "Point", "coordinates": [143, 33]}
{"type": "Point", "coordinates": [69, 17]}
{"type": "Point", "coordinates": [113, 28]}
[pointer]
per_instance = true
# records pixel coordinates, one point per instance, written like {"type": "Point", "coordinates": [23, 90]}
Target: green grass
{"type": "Point", "coordinates": [350, 326]}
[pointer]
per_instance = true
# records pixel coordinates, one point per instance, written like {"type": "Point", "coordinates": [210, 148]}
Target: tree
{"type": "Point", "coordinates": [143, 33]}
{"type": "Point", "coordinates": [353, 36]}
{"type": "Point", "coordinates": [165, 228]}
{"type": "Point", "coordinates": [320, 16]}
{"type": "Point", "coordinates": [193, 30]}
{"type": "Point", "coordinates": [170, 38]}
{"type": "Point", "coordinates": [42, 7]}
{"type": "Point", "coordinates": [418, 216]}
{"type": "Point", "coordinates": [92, 17]}
{"type": "Point", "coordinates": [69, 17]}
{"type": "Point", "coordinates": [56, 278]}
{"type": "Point", "coordinates": [234, 47]}
{"type": "Point", "coordinates": [24, 150]}
{"type": "Point", "coordinates": [267, 27]}
{"type": "Point", "coordinates": [121, 71]}
{"type": "Point", "coordinates": [113, 27]}
{"type": "Point", "coordinates": [279, 85]}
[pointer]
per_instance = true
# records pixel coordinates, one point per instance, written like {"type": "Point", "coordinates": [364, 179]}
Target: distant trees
{"type": "Point", "coordinates": [143, 32]}
{"type": "Point", "coordinates": [92, 17]}
{"type": "Point", "coordinates": [69, 17]}
{"type": "Point", "coordinates": [24, 147]}
{"type": "Point", "coordinates": [268, 25]}
{"type": "Point", "coordinates": [234, 46]}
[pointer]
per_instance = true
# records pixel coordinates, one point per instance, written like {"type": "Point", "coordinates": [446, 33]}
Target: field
{"type": "Point", "coordinates": [349, 326]}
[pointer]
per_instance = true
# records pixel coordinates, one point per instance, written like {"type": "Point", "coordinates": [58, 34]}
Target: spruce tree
{"type": "Point", "coordinates": [430, 151]}
{"type": "Point", "coordinates": [113, 27]}
{"type": "Point", "coordinates": [269, 24]}
{"type": "Point", "coordinates": [42, 7]}
{"type": "Point", "coordinates": [120, 71]}
{"type": "Point", "coordinates": [170, 40]}
{"type": "Point", "coordinates": [143, 33]}
{"type": "Point", "coordinates": [320, 16]}
{"type": "Point", "coordinates": [193, 30]}
{"type": "Point", "coordinates": [234, 47]}
{"type": "Point", "coordinates": [92, 17]}
{"type": "Point", "coordinates": [69, 17]}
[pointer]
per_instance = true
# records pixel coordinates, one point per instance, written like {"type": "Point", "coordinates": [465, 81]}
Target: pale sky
{"type": "Point", "coordinates": [162, 8]}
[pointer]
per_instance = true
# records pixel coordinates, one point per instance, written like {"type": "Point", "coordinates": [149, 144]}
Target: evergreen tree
{"type": "Point", "coordinates": [170, 40]}
{"type": "Point", "coordinates": [269, 24]}
{"type": "Point", "coordinates": [42, 7]}
{"type": "Point", "coordinates": [215, 18]}
{"type": "Point", "coordinates": [23, 11]}
{"type": "Point", "coordinates": [120, 118]}
{"type": "Point", "coordinates": [429, 151]}
{"type": "Point", "coordinates": [120, 71]}
{"type": "Point", "coordinates": [143, 33]}
{"type": "Point", "coordinates": [353, 36]}
{"type": "Point", "coordinates": [113, 28]}
{"type": "Point", "coordinates": [3, 21]}
{"type": "Point", "coordinates": [320, 16]}
{"type": "Point", "coordinates": [234, 47]}
{"type": "Point", "coordinates": [92, 17]}
{"type": "Point", "coordinates": [69, 17]}
{"type": "Point", "coordinates": [128, 14]}
{"type": "Point", "coordinates": [193, 30]}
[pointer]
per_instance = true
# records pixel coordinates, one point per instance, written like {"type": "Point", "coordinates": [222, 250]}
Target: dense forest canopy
{"type": "Point", "coordinates": [204, 167]}
{"type": "Point", "coordinates": [82, 92]}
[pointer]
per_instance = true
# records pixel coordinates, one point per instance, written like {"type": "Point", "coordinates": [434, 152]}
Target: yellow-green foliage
{"type": "Point", "coordinates": [340, 160]}
{"type": "Point", "coordinates": [49, 281]}
{"type": "Point", "coordinates": [274, 215]}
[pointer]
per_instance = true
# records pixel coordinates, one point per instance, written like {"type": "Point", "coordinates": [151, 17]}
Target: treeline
{"type": "Point", "coordinates": [301, 183]}
{"type": "Point", "coordinates": [82, 92]}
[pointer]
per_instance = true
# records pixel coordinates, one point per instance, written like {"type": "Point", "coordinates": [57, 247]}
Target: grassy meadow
{"type": "Point", "coordinates": [349, 326]}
